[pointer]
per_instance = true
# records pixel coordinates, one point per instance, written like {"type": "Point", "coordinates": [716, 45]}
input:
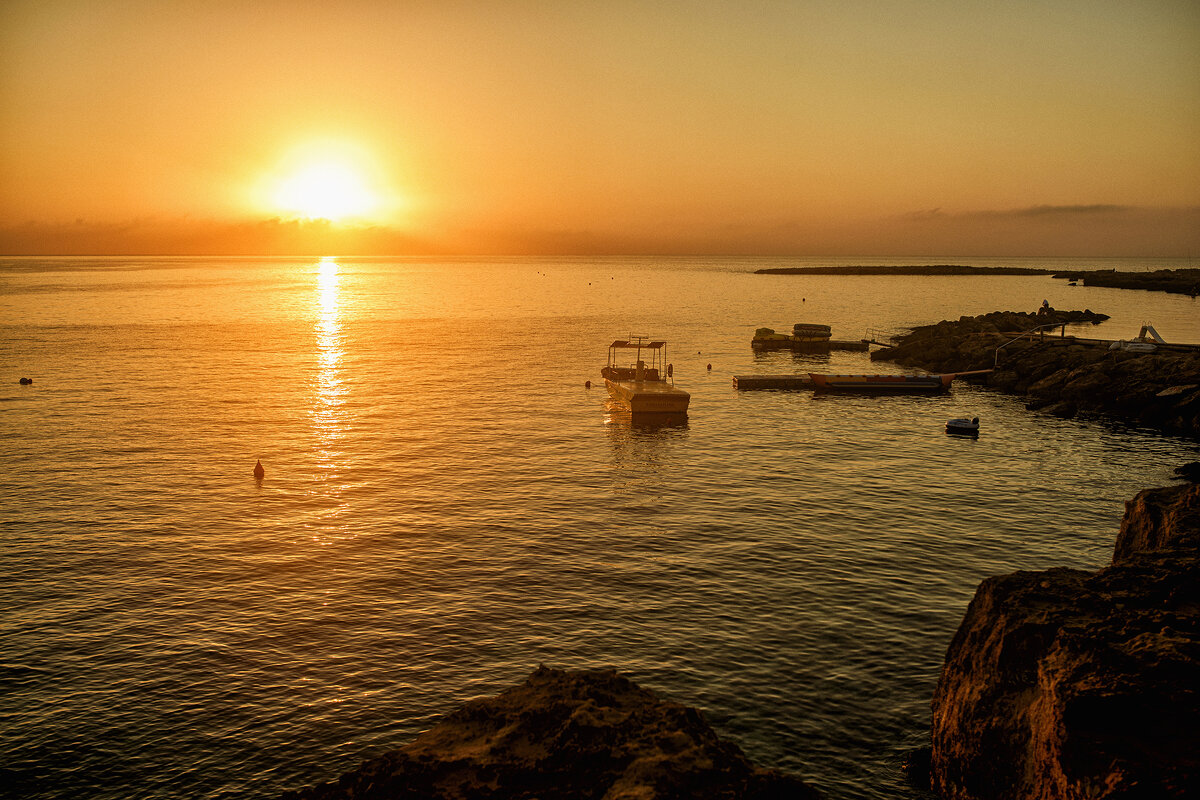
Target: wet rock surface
{"type": "Point", "coordinates": [560, 735]}
{"type": "Point", "coordinates": [1075, 684]}
{"type": "Point", "coordinates": [1062, 375]}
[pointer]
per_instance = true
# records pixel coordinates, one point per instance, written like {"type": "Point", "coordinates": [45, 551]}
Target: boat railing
{"type": "Point", "coordinates": [1040, 329]}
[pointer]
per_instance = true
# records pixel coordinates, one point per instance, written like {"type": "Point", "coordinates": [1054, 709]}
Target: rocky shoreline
{"type": "Point", "coordinates": [1062, 375]}
{"type": "Point", "coordinates": [1075, 684]}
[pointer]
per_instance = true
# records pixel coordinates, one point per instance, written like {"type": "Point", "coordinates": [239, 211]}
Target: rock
{"type": "Point", "coordinates": [1074, 684]}
{"type": "Point", "coordinates": [1002, 379]}
{"type": "Point", "coordinates": [1177, 391]}
{"type": "Point", "coordinates": [1050, 385]}
{"type": "Point", "coordinates": [917, 768]}
{"type": "Point", "coordinates": [1160, 389]}
{"type": "Point", "coordinates": [1189, 472]}
{"type": "Point", "coordinates": [565, 735]}
{"type": "Point", "coordinates": [1157, 519]}
{"type": "Point", "coordinates": [1062, 410]}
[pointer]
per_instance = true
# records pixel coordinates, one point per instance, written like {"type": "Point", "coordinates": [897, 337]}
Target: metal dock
{"type": "Point", "coordinates": [772, 382]}
{"type": "Point", "coordinates": [748, 382]}
{"type": "Point", "coordinates": [811, 346]}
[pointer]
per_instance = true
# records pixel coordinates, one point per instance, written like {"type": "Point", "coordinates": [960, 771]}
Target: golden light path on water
{"type": "Point", "coordinates": [330, 387]}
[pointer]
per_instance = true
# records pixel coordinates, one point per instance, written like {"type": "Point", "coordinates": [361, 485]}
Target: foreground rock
{"type": "Point", "coordinates": [1074, 684]}
{"type": "Point", "coordinates": [1062, 375]}
{"type": "Point", "coordinates": [565, 735]}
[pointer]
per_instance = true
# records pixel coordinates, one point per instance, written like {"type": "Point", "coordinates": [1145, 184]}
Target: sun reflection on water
{"type": "Point", "coordinates": [329, 396]}
{"type": "Point", "coordinates": [330, 388]}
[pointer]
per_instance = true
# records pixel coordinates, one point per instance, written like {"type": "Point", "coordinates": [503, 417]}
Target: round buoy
{"type": "Point", "coordinates": [26, 381]}
{"type": "Point", "coordinates": [587, 384]}
{"type": "Point", "coordinates": [258, 469]}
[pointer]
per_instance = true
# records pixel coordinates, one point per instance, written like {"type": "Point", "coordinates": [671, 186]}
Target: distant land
{"type": "Point", "coordinates": [1173, 281]}
{"type": "Point", "coordinates": [929, 269]}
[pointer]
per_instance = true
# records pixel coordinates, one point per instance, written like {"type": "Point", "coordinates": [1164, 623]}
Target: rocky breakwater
{"type": "Point", "coordinates": [1062, 375]}
{"type": "Point", "coordinates": [1174, 281]}
{"type": "Point", "coordinates": [1074, 684]}
{"type": "Point", "coordinates": [565, 735]}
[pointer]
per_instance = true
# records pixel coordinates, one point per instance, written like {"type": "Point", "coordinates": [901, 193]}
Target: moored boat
{"type": "Point", "coordinates": [804, 336]}
{"type": "Point", "coordinates": [961, 426]}
{"type": "Point", "coordinates": [645, 385]}
{"type": "Point", "coordinates": [810, 332]}
{"type": "Point", "coordinates": [875, 383]}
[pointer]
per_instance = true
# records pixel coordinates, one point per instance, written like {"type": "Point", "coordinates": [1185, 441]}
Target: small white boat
{"type": "Point", "coordinates": [643, 388]}
{"type": "Point", "coordinates": [1147, 341]}
{"type": "Point", "coordinates": [1131, 346]}
{"type": "Point", "coordinates": [961, 426]}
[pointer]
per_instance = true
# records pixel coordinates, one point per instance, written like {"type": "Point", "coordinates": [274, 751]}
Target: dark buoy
{"type": "Point", "coordinates": [710, 367]}
{"type": "Point", "coordinates": [26, 381]}
{"type": "Point", "coordinates": [259, 472]}
{"type": "Point", "coordinates": [587, 384]}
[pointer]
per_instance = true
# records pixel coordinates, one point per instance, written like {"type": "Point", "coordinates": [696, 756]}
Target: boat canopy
{"type": "Point", "coordinates": [637, 345]}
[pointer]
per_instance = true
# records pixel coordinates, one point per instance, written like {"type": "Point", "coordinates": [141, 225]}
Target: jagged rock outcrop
{"type": "Point", "coordinates": [1075, 684]}
{"type": "Point", "coordinates": [565, 736]}
{"type": "Point", "coordinates": [1059, 374]}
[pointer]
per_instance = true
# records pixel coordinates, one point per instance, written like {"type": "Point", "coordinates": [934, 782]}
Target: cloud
{"type": "Point", "coordinates": [1041, 211]}
{"type": "Point", "coordinates": [189, 236]}
{"type": "Point", "coordinates": [1039, 230]}
{"type": "Point", "coordinates": [1096, 229]}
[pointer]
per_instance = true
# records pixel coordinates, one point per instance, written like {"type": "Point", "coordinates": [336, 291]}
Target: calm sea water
{"type": "Point", "coordinates": [446, 505]}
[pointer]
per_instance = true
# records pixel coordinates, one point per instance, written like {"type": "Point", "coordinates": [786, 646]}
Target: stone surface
{"type": "Point", "coordinates": [1074, 684]}
{"type": "Point", "coordinates": [1158, 519]}
{"type": "Point", "coordinates": [1063, 377]}
{"type": "Point", "coordinates": [565, 735]}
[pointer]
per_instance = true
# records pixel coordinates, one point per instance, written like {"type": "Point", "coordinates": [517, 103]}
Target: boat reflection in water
{"type": "Point", "coordinates": [618, 416]}
{"type": "Point", "coordinates": [642, 457]}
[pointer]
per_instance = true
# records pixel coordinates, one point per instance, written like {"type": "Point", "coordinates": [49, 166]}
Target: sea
{"type": "Point", "coordinates": [447, 504]}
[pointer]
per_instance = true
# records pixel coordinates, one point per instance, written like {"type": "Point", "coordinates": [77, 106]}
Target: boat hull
{"type": "Point", "coordinates": [648, 397]}
{"type": "Point", "coordinates": [881, 383]}
{"type": "Point", "coordinates": [962, 426]}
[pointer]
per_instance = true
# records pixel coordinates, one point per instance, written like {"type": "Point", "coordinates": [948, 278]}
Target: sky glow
{"type": "Point", "coordinates": [524, 127]}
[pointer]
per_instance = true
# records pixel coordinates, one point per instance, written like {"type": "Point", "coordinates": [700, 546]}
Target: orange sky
{"type": "Point", "coordinates": [806, 127]}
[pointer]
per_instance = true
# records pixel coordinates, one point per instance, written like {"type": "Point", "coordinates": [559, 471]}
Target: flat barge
{"type": "Point", "coordinates": [749, 382]}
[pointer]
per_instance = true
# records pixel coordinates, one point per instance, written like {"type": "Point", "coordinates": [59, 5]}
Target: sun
{"type": "Point", "coordinates": [328, 189]}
